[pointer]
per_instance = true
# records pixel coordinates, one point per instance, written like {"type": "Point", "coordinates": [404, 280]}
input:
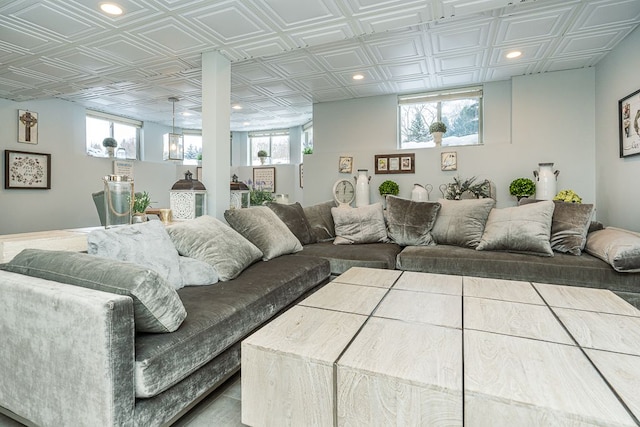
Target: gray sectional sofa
{"type": "Point", "coordinates": [74, 353]}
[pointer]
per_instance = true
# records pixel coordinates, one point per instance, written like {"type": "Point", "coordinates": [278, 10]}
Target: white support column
{"type": "Point", "coordinates": [216, 117]}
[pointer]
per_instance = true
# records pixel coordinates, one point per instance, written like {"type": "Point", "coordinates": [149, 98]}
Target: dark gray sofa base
{"type": "Point", "coordinates": [343, 257]}
{"type": "Point", "coordinates": [584, 270]}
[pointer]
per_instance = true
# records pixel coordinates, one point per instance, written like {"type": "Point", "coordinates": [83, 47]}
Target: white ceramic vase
{"type": "Point", "coordinates": [546, 179]}
{"type": "Point", "coordinates": [362, 188]}
{"type": "Point", "coordinates": [437, 137]}
{"type": "Point", "coordinates": [419, 193]}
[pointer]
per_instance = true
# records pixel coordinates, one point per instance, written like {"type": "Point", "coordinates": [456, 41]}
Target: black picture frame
{"type": "Point", "coordinates": [629, 124]}
{"type": "Point", "coordinates": [26, 170]}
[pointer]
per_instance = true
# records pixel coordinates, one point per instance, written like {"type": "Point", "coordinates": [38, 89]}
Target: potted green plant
{"type": "Point", "coordinates": [307, 150]}
{"type": "Point", "coordinates": [437, 129]}
{"type": "Point", "coordinates": [258, 197]}
{"type": "Point", "coordinates": [522, 187]}
{"type": "Point", "coordinates": [262, 155]}
{"type": "Point", "coordinates": [455, 190]}
{"type": "Point", "coordinates": [199, 159]}
{"type": "Point", "coordinates": [568, 196]}
{"type": "Point", "coordinates": [110, 144]}
{"type": "Point", "coordinates": [389, 187]}
{"type": "Point", "coordinates": [141, 201]}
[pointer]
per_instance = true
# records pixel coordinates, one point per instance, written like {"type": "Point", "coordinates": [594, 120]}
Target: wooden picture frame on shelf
{"type": "Point", "coordinates": [27, 171]}
{"type": "Point", "coordinates": [395, 163]}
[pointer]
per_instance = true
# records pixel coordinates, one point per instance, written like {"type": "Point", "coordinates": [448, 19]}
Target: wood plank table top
{"type": "Point", "coordinates": [430, 349]}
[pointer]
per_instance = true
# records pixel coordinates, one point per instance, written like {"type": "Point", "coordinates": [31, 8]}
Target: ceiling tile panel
{"type": "Point", "coordinates": [397, 50]}
{"type": "Point", "coordinates": [319, 82]}
{"type": "Point", "coordinates": [558, 64]}
{"type": "Point", "coordinates": [84, 61]}
{"type": "Point", "coordinates": [171, 35]}
{"type": "Point", "coordinates": [408, 86]}
{"type": "Point", "coordinates": [457, 62]}
{"type": "Point", "coordinates": [530, 52]}
{"type": "Point", "coordinates": [589, 42]}
{"type": "Point", "coordinates": [459, 79]}
{"type": "Point", "coordinates": [290, 13]}
{"type": "Point", "coordinates": [20, 40]}
{"type": "Point", "coordinates": [370, 89]}
{"type": "Point", "coordinates": [505, 72]}
{"type": "Point", "coordinates": [460, 39]}
{"type": "Point", "coordinates": [605, 13]}
{"type": "Point", "coordinates": [124, 49]}
{"type": "Point", "coordinates": [523, 27]}
{"type": "Point", "coordinates": [232, 24]}
{"type": "Point", "coordinates": [57, 22]}
{"type": "Point", "coordinates": [331, 95]}
{"type": "Point", "coordinates": [319, 36]}
{"type": "Point", "coordinates": [301, 66]}
{"type": "Point", "coordinates": [396, 19]}
{"type": "Point", "coordinates": [346, 58]}
{"type": "Point", "coordinates": [407, 69]}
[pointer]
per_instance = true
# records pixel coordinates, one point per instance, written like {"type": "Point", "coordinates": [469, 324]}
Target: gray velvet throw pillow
{"type": "Point", "coordinates": [262, 227]}
{"type": "Point", "coordinates": [294, 218]}
{"type": "Point", "coordinates": [619, 247]}
{"type": "Point", "coordinates": [156, 305]}
{"type": "Point", "coordinates": [214, 242]}
{"type": "Point", "coordinates": [522, 229]}
{"type": "Point", "coordinates": [409, 223]}
{"type": "Point", "coordinates": [321, 221]}
{"type": "Point", "coordinates": [359, 225]}
{"type": "Point", "coordinates": [461, 222]}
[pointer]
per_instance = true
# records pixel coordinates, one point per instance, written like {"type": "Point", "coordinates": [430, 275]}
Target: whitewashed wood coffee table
{"type": "Point", "coordinates": [384, 348]}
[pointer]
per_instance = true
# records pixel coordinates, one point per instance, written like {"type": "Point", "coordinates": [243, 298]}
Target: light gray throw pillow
{"type": "Point", "coordinates": [359, 225]}
{"type": "Point", "coordinates": [620, 248]}
{"type": "Point", "coordinates": [197, 273]}
{"type": "Point", "coordinates": [156, 305]}
{"type": "Point", "coordinates": [146, 244]}
{"type": "Point", "coordinates": [262, 227]}
{"type": "Point", "coordinates": [522, 229]}
{"type": "Point", "coordinates": [210, 240]}
{"type": "Point", "coordinates": [409, 223]}
{"type": "Point", "coordinates": [461, 222]}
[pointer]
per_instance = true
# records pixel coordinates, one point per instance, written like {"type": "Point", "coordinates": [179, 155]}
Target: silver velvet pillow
{"type": "Point", "coordinates": [523, 229]}
{"type": "Point", "coordinates": [262, 227]}
{"type": "Point", "coordinates": [156, 305]}
{"type": "Point", "coordinates": [212, 241]}
{"type": "Point", "coordinates": [461, 222]}
{"type": "Point", "coordinates": [321, 221]}
{"type": "Point", "coordinates": [146, 244]}
{"type": "Point", "coordinates": [359, 225]}
{"type": "Point", "coordinates": [409, 223]}
{"type": "Point", "coordinates": [620, 248]}
{"type": "Point", "coordinates": [197, 273]}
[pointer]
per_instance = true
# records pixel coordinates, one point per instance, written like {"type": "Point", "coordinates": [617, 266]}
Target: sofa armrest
{"type": "Point", "coordinates": [67, 353]}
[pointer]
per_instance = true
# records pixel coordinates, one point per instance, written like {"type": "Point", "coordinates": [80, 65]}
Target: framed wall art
{"type": "Point", "coordinates": [629, 124]}
{"type": "Point", "coordinates": [449, 161]}
{"type": "Point", "coordinates": [27, 127]}
{"type": "Point", "coordinates": [27, 171]}
{"type": "Point", "coordinates": [395, 163]}
{"type": "Point", "coordinates": [264, 179]}
{"type": "Point", "coordinates": [345, 164]}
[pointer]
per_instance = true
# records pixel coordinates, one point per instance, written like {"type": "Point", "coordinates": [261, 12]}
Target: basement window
{"type": "Point", "coordinates": [274, 142]}
{"type": "Point", "coordinates": [459, 109]}
{"type": "Point", "coordinates": [125, 131]}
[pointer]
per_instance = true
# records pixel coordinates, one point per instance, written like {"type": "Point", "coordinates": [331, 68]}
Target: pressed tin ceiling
{"type": "Point", "coordinates": [288, 54]}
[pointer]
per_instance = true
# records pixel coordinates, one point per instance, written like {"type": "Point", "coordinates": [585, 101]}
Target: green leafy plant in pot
{"type": "Point", "coordinates": [389, 187]}
{"type": "Point", "coordinates": [437, 129]}
{"type": "Point", "coordinates": [110, 144]}
{"type": "Point", "coordinates": [522, 187]}
{"type": "Point", "coordinates": [141, 201]}
{"type": "Point", "coordinates": [262, 154]}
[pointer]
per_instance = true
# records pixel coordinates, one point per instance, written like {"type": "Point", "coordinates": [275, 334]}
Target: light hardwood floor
{"type": "Point", "coordinates": [220, 409]}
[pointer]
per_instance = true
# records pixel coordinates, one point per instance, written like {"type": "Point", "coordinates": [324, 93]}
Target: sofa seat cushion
{"type": "Point", "coordinates": [343, 257]}
{"type": "Point", "coordinates": [219, 316]}
{"type": "Point", "coordinates": [564, 269]}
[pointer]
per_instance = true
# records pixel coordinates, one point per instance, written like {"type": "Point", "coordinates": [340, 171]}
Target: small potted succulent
{"type": "Point", "coordinates": [568, 196]}
{"type": "Point", "coordinates": [110, 144]}
{"type": "Point", "coordinates": [262, 155]}
{"type": "Point", "coordinates": [141, 202]}
{"type": "Point", "coordinates": [437, 129]}
{"type": "Point", "coordinates": [522, 187]}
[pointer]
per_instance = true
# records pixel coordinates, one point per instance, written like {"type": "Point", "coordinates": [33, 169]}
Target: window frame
{"type": "Point", "coordinates": [438, 97]}
{"type": "Point", "coordinates": [112, 120]}
{"type": "Point", "coordinates": [270, 134]}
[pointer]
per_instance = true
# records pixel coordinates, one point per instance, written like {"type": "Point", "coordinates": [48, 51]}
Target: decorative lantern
{"type": "Point", "coordinates": [240, 195]}
{"type": "Point", "coordinates": [173, 143]}
{"type": "Point", "coordinates": [118, 200]}
{"type": "Point", "coordinates": [188, 198]}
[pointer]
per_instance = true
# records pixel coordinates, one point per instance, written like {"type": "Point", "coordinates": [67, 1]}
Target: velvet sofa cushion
{"type": "Point", "coordinates": [294, 218]}
{"type": "Point", "coordinates": [364, 224]}
{"type": "Point", "coordinates": [525, 229]}
{"type": "Point", "coordinates": [461, 222]}
{"type": "Point", "coordinates": [321, 221]}
{"type": "Point", "coordinates": [156, 305]}
{"type": "Point", "coordinates": [570, 225]}
{"type": "Point", "coordinates": [343, 257]}
{"type": "Point", "coordinates": [262, 227]}
{"type": "Point", "coordinates": [197, 273]}
{"type": "Point", "coordinates": [620, 248]}
{"type": "Point", "coordinates": [220, 316]}
{"type": "Point", "coordinates": [210, 240]}
{"type": "Point", "coordinates": [410, 222]}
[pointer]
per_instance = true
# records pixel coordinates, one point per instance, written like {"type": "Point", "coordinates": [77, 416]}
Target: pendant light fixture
{"type": "Point", "coordinates": [173, 143]}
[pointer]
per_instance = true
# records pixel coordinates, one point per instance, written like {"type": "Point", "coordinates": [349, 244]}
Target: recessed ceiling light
{"type": "Point", "coordinates": [514, 54]}
{"type": "Point", "coordinates": [237, 107]}
{"type": "Point", "coordinates": [358, 76]}
{"type": "Point", "coordinates": [246, 124]}
{"type": "Point", "coordinates": [186, 114]}
{"type": "Point", "coordinates": [111, 9]}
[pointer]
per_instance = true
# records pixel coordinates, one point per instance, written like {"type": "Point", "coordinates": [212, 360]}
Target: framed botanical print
{"type": "Point", "coordinates": [27, 171]}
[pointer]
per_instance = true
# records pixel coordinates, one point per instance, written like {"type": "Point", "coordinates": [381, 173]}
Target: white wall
{"type": "Point", "coordinates": [516, 114]}
{"type": "Point", "coordinates": [617, 178]}
{"type": "Point", "coordinates": [74, 174]}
